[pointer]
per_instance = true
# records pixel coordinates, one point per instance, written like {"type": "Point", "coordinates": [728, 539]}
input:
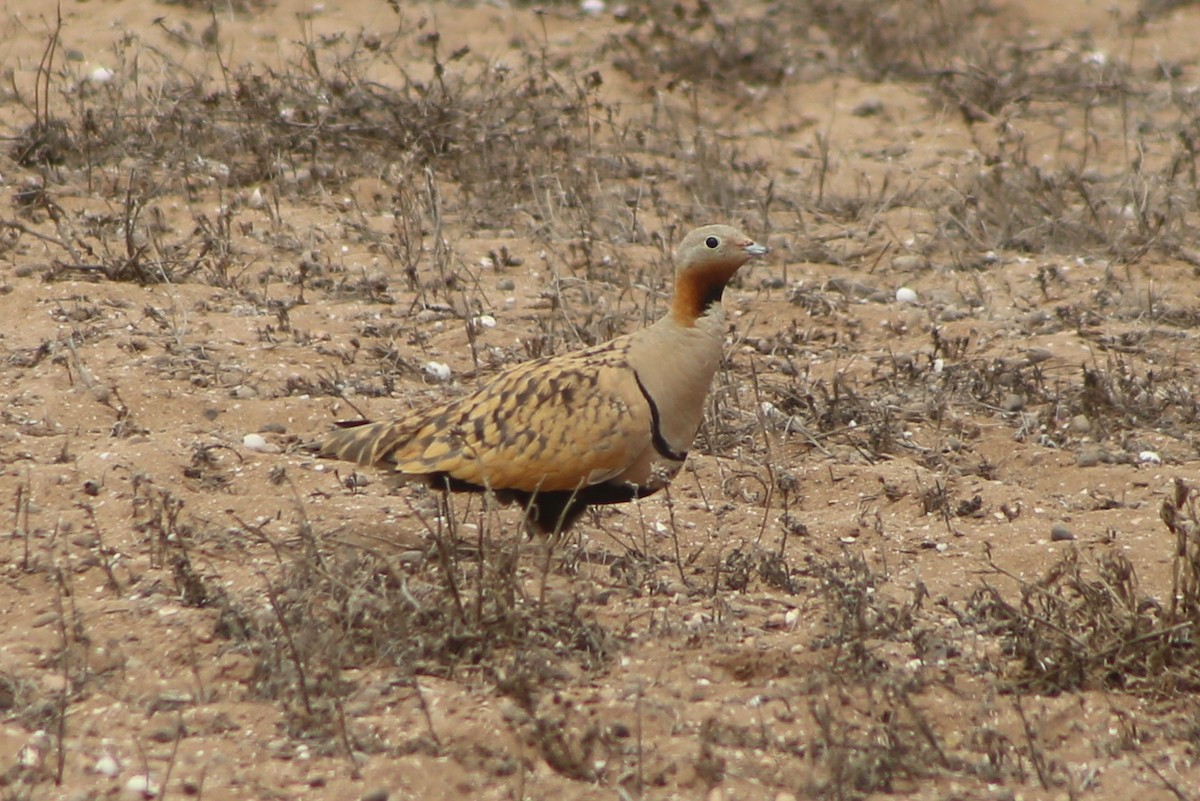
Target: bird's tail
{"type": "Point", "coordinates": [358, 441]}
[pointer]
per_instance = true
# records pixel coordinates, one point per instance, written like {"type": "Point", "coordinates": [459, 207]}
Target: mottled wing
{"type": "Point", "coordinates": [554, 424]}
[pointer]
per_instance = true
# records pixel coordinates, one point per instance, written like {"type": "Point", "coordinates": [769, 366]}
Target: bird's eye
{"type": "Point", "coordinates": [712, 242]}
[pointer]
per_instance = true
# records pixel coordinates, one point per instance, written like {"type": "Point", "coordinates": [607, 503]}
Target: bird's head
{"type": "Point", "coordinates": [704, 262]}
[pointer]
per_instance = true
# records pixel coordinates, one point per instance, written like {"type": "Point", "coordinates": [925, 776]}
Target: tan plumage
{"type": "Point", "coordinates": [605, 424]}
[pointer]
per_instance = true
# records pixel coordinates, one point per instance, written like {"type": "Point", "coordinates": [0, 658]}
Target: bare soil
{"type": "Point", "coordinates": [937, 538]}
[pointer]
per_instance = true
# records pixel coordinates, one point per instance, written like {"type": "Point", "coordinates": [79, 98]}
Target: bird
{"type": "Point", "coordinates": [606, 424]}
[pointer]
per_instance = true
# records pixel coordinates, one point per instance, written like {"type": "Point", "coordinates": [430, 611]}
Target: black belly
{"type": "Point", "coordinates": [554, 511]}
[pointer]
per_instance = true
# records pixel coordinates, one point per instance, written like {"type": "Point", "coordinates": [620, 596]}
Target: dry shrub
{"type": "Point", "coordinates": [1017, 205]}
{"type": "Point", "coordinates": [335, 606]}
{"type": "Point", "coordinates": [720, 45]}
{"type": "Point", "coordinates": [510, 137]}
{"type": "Point", "coordinates": [1118, 395]}
{"type": "Point", "coordinates": [860, 610]}
{"type": "Point", "coordinates": [1003, 78]}
{"type": "Point", "coordinates": [1091, 625]}
{"type": "Point", "coordinates": [902, 38]}
{"type": "Point", "coordinates": [1058, 202]}
{"type": "Point", "coordinates": [879, 741]}
{"type": "Point", "coordinates": [730, 46]}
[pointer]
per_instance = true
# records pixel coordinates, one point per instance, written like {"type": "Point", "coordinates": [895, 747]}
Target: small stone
{"type": "Point", "coordinates": [951, 314]}
{"type": "Point", "coordinates": [1080, 424]}
{"type": "Point", "coordinates": [1034, 320]}
{"type": "Point", "coordinates": [256, 442]}
{"type": "Point", "coordinates": [1060, 533]}
{"type": "Point", "coordinates": [166, 734]}
{"type": "Point", "coordinates": [412, 558]}
{"type": "Point", "coordinates": [107, 765]}
{"type": "Point", "coordinates": [1012, 402]}
{"type": "Point", "coordinates": [1038, 355]}
{"type": "Point", "coordinates": [141, 786]}
{"type": "Point", "coordinates": [1089, 456]}
{"type": "Point", "coordinates": [909, 262]}
{"type": "Point", "coordinates": [906, 295]}
{"type": "Point", "coordinates": [868, 107]}
{"type": "Point", "coordinates": [1149, 457]}
{"type": "Point", "coordinates": [437, 371]}
{"type": "Point", "coordinates": [101, 75]}
{"type": "Point", "coordinates": [272, 428]}
{"type": "Point", "coordinates": [505, 285]}
{"type": "Point", "coordinates": [378, 794]}
{"type": "Point", "coordinates": [53, 682]}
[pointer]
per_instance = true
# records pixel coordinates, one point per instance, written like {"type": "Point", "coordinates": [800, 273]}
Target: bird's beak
{"type": "Point", "coordinates": [755, 249]}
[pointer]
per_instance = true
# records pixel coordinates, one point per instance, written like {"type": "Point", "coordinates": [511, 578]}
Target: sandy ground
{"type": "Point", "coordinates": [919, 549]}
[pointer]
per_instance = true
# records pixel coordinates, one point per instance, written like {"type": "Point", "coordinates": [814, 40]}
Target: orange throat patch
{"type": "Point", "coordinates": [698, 292]}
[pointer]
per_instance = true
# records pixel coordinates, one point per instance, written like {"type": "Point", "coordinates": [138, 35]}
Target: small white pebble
{"type": "Point", "coordinates": [1149, 457]}
{"type": "Point", "coordinates": [141, 786]}
{"type": "Point", "coordinates": [486, 321]}
{"type": "Point", "coordinates": [101, 75]}
{"type": "Point", "coordinates": [107, 766]}
{"type": "Point", "coordinates": [593, 8]}
{"type": "Point", "coordinates": [906, 295]}
{"type": "Point", "coordinates": [255, 442]}
{"type": "Point", "coordinates": [29, 757]}
{"type": "Point", "coordinates": [256, 200]}
{"type": "Point", "coordinates": [437, 371]}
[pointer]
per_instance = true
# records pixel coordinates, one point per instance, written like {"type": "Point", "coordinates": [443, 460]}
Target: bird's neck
{"type": "Point", "coordinates": [698, 294]}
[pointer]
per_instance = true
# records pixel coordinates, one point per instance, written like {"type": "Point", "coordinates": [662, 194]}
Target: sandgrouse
{"type": "Point", "coordinates": [601, 425]}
